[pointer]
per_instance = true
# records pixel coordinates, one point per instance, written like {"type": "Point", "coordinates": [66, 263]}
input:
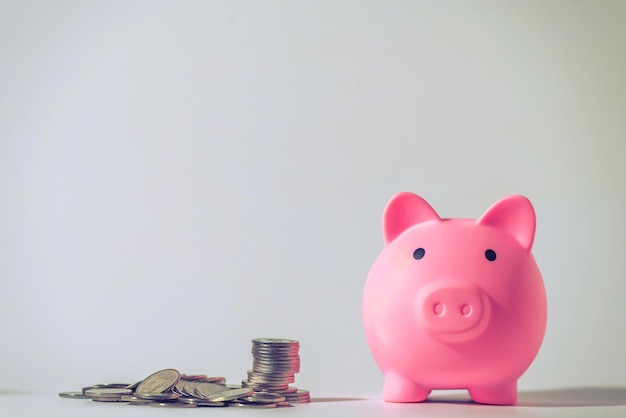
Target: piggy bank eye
{"type": "Point", "coordinates": [490, 255]}
{"type": "Point", "coordinates": [419, 253]}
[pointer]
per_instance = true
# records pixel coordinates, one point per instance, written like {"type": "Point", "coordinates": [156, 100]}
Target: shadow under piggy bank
{"type": "Point", "coordinates": [588, 396]}
{"type": "Point", "coordinates": [565, 397]}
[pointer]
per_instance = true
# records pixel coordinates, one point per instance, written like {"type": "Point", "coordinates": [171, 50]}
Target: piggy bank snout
{"type": "Point", "coordinates": [453, 311]}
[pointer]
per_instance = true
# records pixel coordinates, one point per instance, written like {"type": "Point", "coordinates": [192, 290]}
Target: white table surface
{"type": "Point", "coordinates": [574, 402]}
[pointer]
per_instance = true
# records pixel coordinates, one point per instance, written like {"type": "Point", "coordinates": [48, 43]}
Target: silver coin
{"type": "Point", "coordinates": [107, 392]}
{"type": "Point", "coordinates": [270, 381]}
{"type": "Point", "coordinates": [269, 384]}
{"type": "Point", "coordinates": [275, 341]}
{"type": "Point", "coordinates": [229, 394]}
{"type": "Point", "coordinates": [201, 402]}
{"type": "Point", "coordinates": [210, 404]}
{"type": "Point", "coordinates": [268, 388]}
{"type": "Point", "coordinates": [161, 397]}
{"type": "Point", "coordinates": [265, 387]}
{"type": "Point", "coordinates": [288, 368]}
{"type": "Point", "coordinates": [161, 381]}
{"type": "Point", "coordinates": [270, 377]}
{"type": "Point", "coordinates": [253, 405]}
{"type": "Point", "coordinates": [173, 405]}
{"type": "Point", "coordinates": [287, 351]}
{"type": "Point", "coordinates": [277, 361]}
{"type": "Point", "coordinates": [133, 386]}
{"type": "Point", "coordinates": [254, 373]}
{"type": "Point", "coordinates": [275, 370]}
{"type": "Point", "coordinates": [294, 349]}
{"type": "Point", "coordinates": [187, 400]}
{"type": "Point", "coordinates": [293, 398]}
{"type": "Point", "coordinates": [178, 387]}
{"type": "Point", "coordinates": [301, 396]}
{"type": "Point", "coordinates": [299, 392]}
{"type": "Point", "coordinates": [204, 389]}
{"type": "Point", "coordinates": [138, 401]}
{"type": "Point", "coordinates": [193, 376]}
{"type": "Point", "coordinates": [263, 397]}
{"type": "Point", "coordinates": [273, 354]}
{"type": "Point", "coordinates": [73, 395]}
{"type": "Point", "coordinates": [282, 390]}
{"type": "Point", "coordinates": [290, 389]}
{"type": "Point", "coordinates": [107, 385]}
{"type": "Point", "coordinates": [188, 388]}
{"type": "Point", "coordinates": [218, 380]}
{"type": "Point", "coordinates": [106, 398]}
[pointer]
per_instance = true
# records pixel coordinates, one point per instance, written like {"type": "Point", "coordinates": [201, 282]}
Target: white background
{"type": "Point", "coordinates": [178, 177]}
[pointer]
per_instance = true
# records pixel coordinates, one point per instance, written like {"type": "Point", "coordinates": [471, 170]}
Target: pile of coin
{"type": "Point", "coordinates": [275, 361]}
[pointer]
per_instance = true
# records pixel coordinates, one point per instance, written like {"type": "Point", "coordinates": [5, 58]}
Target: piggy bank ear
{"type": "Point", "coordinates": [515, 215]}
{"type": "Point", "coordinates": [403, 211]}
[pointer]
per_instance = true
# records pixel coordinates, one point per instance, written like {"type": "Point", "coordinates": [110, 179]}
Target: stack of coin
{"type": "Point", "coordinates": [275, 362]}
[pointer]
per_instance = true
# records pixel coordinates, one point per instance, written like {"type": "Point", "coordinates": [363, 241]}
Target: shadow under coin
{"type": "Point", "coordinates": [315, 400]}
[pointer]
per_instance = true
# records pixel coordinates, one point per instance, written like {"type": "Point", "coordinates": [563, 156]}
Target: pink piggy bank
{"type": "Point", "coordinates": [455, 303]}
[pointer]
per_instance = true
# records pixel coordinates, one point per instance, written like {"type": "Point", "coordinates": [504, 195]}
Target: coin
{"type": "Point", "coordinates": [73, 395]}
{"type": "Point", "coordinates": [264, 397]}
{"type": "Point", "coordinates": [106, 385]}
{"type": "Point", "coordinates": [133, 386]}
{"type": "Point", "coordinates": [204, 389]}
{"type": "Point", "coordinates": [162, 397]}
{"type": "Point", "coordinates": [138, 401]}
{"type": "Point", "coordinates": [106, 398]}
{"type": "Point", "coordinates": [229, 394]}
{"type": "Point", "coordinates": [107, 392]}
{"type": "Point", "coordinates": [160, 381]}
{"type": "Point", "coordinates": [173, 405]}
{"type": "Point", "coordinates": [207, 403]}
{"type": "Point", "coordinates": [215, 379]}
{"type": "Point", "coordinates": [253, 405]}
{"type": "Point", "coordinates": [298, 397]}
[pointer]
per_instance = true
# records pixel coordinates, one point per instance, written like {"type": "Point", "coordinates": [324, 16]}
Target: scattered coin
{"type": "Point", "coordinates": [275, 363]}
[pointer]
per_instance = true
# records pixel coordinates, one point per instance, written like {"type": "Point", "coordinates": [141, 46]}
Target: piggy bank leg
{"type": "Point", "coordinates": [400, 389]}
{"type": "Point", "coordinates": [504, 393]}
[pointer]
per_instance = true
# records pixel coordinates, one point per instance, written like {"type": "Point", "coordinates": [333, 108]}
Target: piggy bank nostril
{"type": "Point", "coordinates": [438, 309]}
{"type": "Point", "coordinates": [466, 309]}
